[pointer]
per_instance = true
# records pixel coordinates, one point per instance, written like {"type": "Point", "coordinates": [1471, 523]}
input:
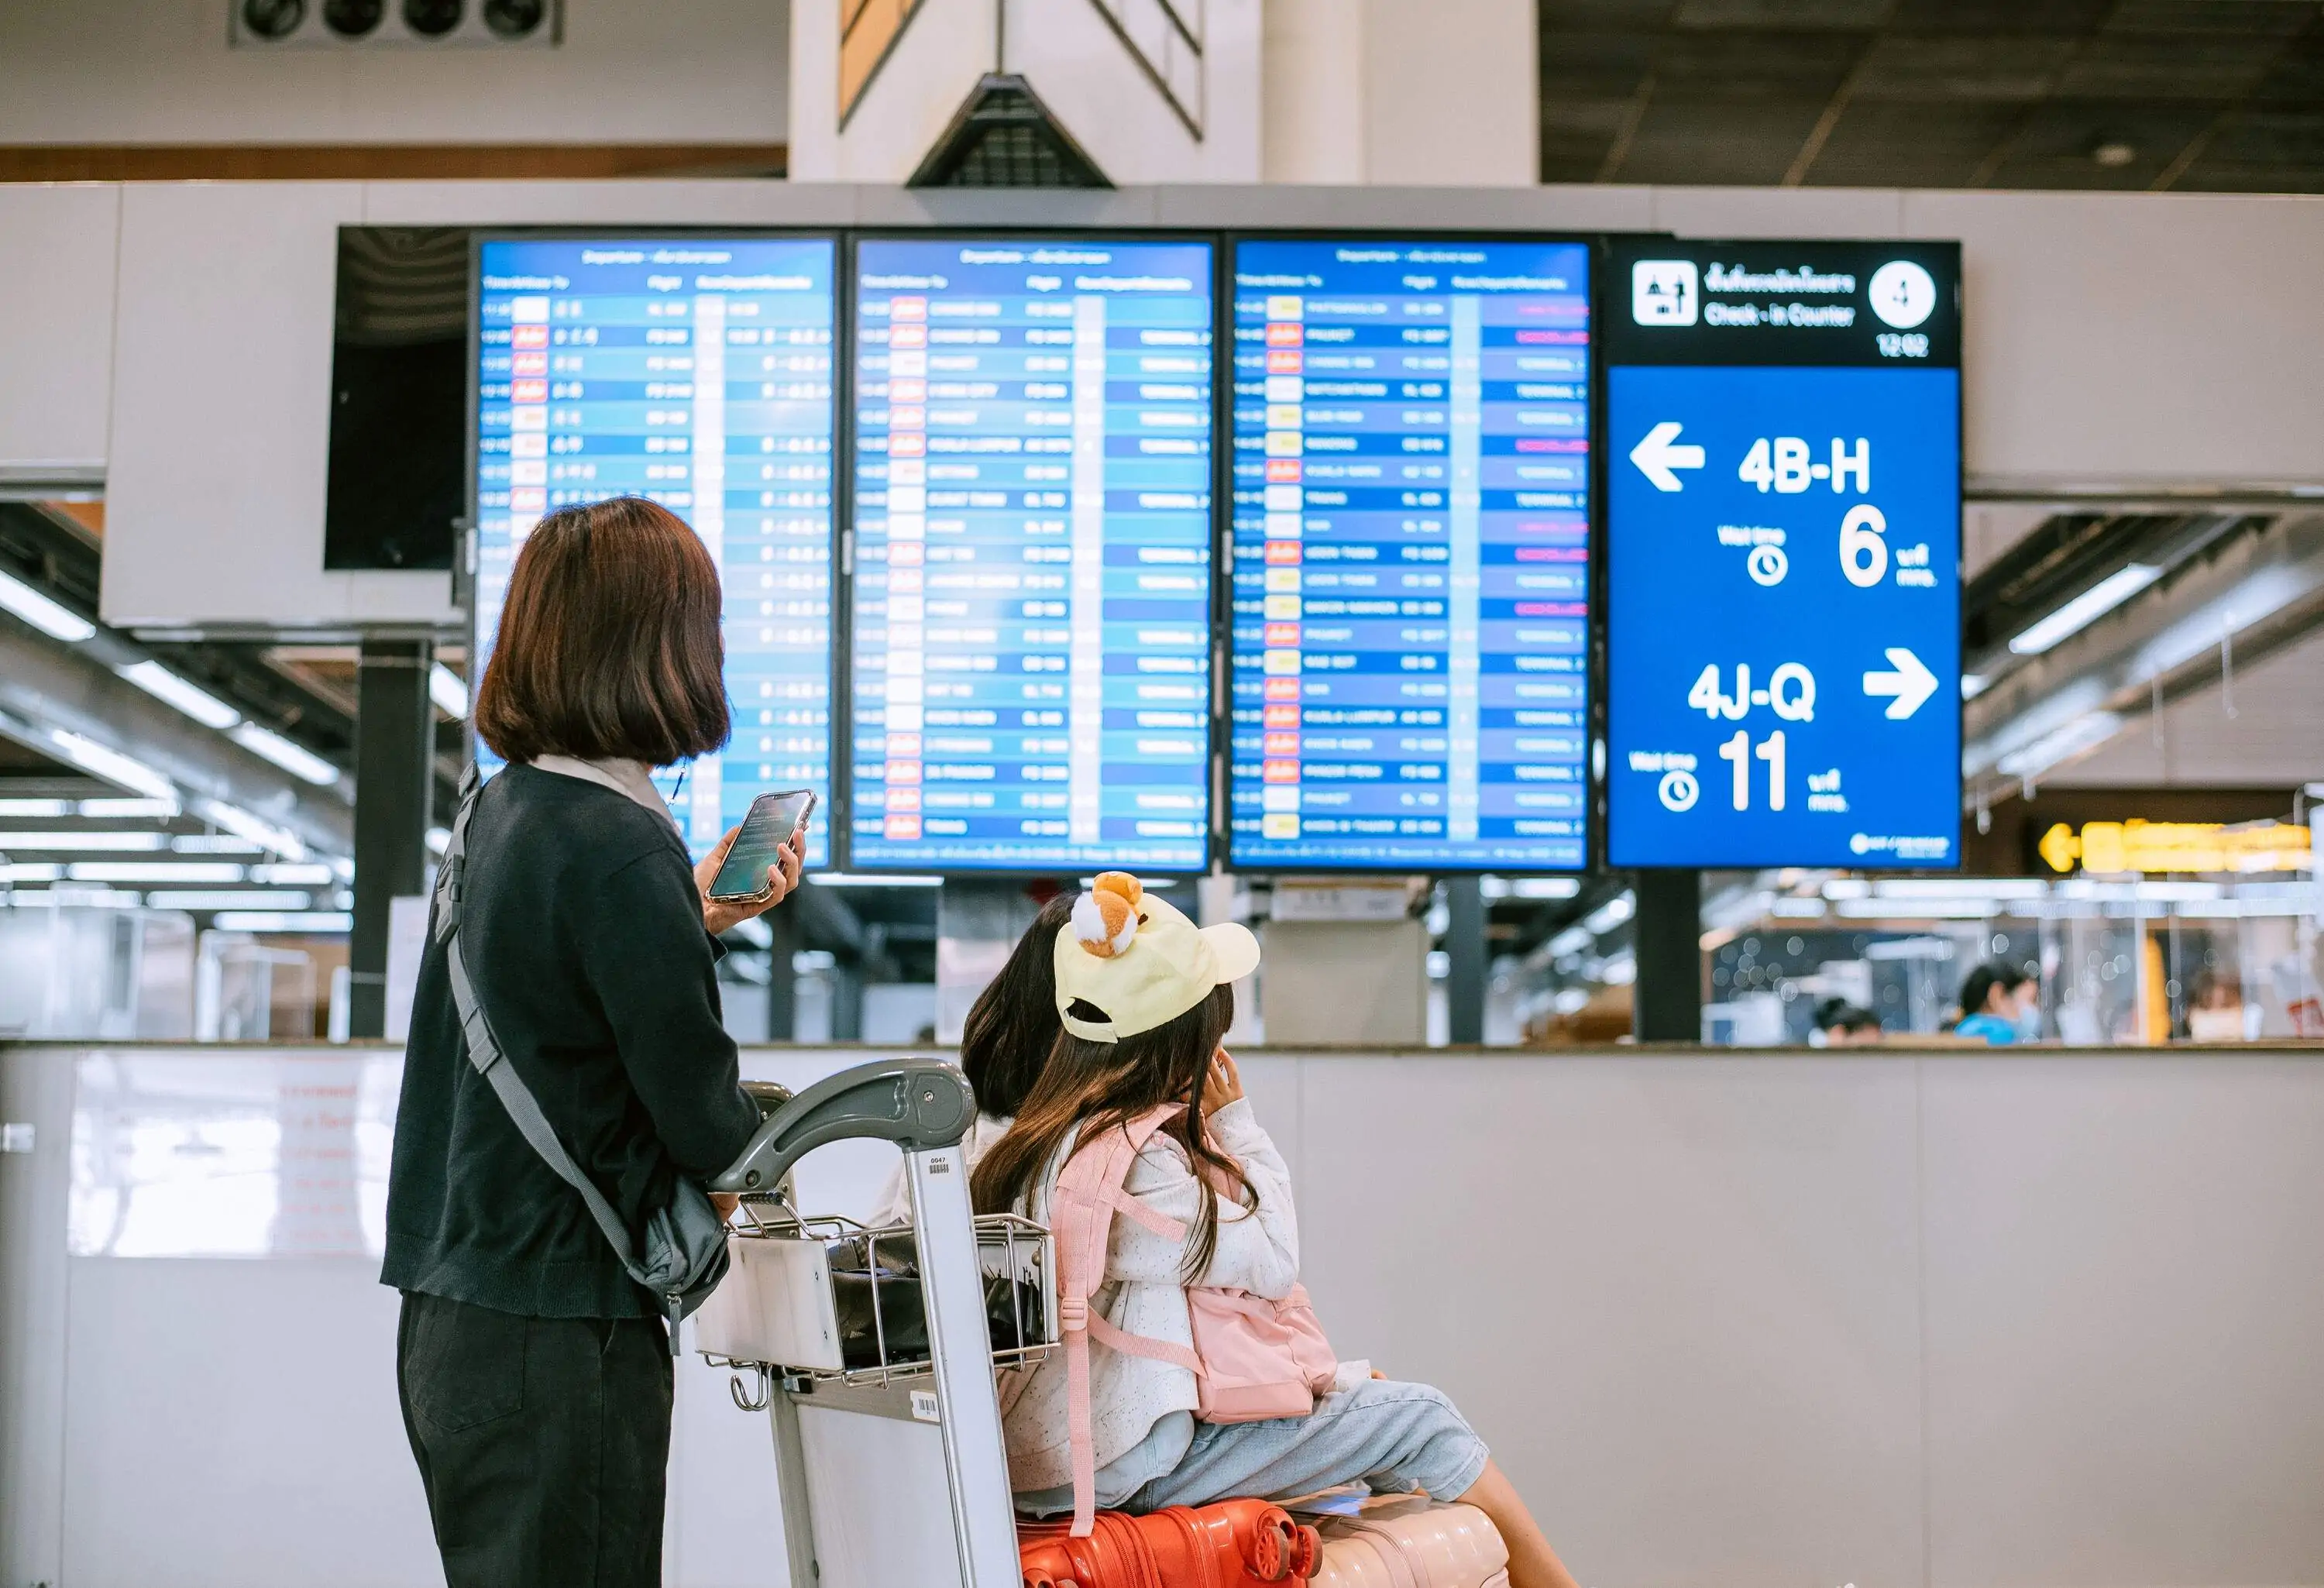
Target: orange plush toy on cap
{"type": "Point", "coordinates": [1106, 918]}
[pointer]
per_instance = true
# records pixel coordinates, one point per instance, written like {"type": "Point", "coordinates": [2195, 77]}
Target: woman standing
{"type": "Point", "coordinates": [535, 1376]}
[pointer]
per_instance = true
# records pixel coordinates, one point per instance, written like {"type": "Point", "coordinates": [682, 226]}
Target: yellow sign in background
{"type": "Point", "coordinates": [2177, 846]}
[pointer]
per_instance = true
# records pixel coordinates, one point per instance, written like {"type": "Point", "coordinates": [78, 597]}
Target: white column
{"type": "Point", "coordinates": [1085, 666]}
{"type": "Point", "coordinates": [1395, 94]}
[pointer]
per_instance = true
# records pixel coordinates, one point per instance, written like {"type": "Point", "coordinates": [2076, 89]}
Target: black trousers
{"type": "Point", "coordinates": [543, 1442]}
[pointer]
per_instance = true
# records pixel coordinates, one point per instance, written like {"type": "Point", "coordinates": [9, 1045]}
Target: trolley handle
{"type": "Point", "coordinates": [920, 1104]}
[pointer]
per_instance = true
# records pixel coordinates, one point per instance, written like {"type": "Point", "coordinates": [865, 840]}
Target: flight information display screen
{"type": "Point", "coordinates": [1783, 559]}
{"type": "Point", "coordinates": [697, 372]}
{"type": "Point", "coordinates": [1411, 545]}
{"type": "Point", "coordinates": [1031, 593]}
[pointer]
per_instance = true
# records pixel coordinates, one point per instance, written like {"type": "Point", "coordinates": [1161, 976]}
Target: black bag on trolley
{"type": "Point", "coordinates": [1012, 1302]}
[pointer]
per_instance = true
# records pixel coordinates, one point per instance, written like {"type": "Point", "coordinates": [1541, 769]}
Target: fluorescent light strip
{"type": "Point", "coordinates": [168, 688]}
{"type": "Point", "coordinates": [2086, 608]}
{"type": "Point", "coordinates": [314, 874]}
{"type": "Point", "coordinates": [137, 809]}
{"type": "Point", "coordinates": [38, 871]}
{"type": "Point", "coordinates": [57, 621]}
{"type": "Point", "coordinates": [446, 690]}
{"type": "Point", "coordinates": [295, 758]}
{"type": "Point", "coordinates": [132, 870]}
{"type": "Point", "coordinates": [112, 765]}
{"type": "Point", "coordinates": [213, 844]}
{"type": "Point", "coordinates": [2084, 732]}
{"type": "Point", "coordinates": [871, 879]}
{"type": "Point", "coordinates": [21, 809]}
{"type": "Point", "coordinates": [260, 920]}
{"type": "Point", "coordinates": [1610, 915]}
{"type": "Point", "coordinates": [1573, 940]}
{"type": "Point", "coordinates": [1961, 887]}
{"type": "Point", "coordinates": [254, 829]}
{"type": "Point", "coordinates": [83, 842]}
{"type": "Point", "coordinates": [230, 898]}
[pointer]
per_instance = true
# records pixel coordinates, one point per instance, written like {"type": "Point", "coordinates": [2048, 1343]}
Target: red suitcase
{"type": "Point", "coordinates": [1404, 1541]}
{"type": "Point", "coordinates": [1234, 1543]}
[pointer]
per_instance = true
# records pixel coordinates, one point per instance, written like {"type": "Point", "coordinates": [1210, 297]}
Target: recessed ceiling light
{"type": "Point", "coordinates": [2113, 154]}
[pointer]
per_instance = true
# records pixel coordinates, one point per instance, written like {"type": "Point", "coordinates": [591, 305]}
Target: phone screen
{"type": "Point", "coordinates": [773, 818]}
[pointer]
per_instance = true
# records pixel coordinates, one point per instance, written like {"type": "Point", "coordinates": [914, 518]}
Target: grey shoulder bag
{"type": "Point", "coordinates": [685, 1254]}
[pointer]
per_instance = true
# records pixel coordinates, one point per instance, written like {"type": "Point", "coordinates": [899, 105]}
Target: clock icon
{"type": "Point", "coordinates": [1903, 294]}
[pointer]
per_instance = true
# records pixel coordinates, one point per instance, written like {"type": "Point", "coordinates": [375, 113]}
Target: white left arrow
{"type": "Point", "coordinates": [1910, 684]}
{"type": "Point", "coordinates": [1657, 457]}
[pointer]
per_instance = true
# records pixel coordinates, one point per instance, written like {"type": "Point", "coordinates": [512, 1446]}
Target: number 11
{"type": "Point", "coordinates": [1737, 749]}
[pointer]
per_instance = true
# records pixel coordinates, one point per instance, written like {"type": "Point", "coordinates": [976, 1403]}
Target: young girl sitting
{"type": "Point", "coordinates": [1145, 998]}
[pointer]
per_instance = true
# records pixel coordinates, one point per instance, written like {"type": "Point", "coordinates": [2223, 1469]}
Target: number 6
{"type": "Point", "coordinates": [1863, 554]}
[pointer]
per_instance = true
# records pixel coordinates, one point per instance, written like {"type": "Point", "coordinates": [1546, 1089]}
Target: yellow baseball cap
{"type": "Point", "coordinates": [1140, 960]}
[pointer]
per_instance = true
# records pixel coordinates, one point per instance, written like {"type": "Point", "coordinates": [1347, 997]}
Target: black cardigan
{"type": "Point", "coordinates": [582, 927]}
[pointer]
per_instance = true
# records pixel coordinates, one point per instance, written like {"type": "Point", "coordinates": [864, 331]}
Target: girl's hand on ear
{"type": "Point", "coordinates": [1222, 1085]}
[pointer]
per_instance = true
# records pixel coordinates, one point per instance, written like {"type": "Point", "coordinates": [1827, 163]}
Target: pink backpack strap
{"type": "Point", "coordinates": [1088, 1194]}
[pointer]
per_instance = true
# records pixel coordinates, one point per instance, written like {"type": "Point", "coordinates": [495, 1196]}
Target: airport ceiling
{"type": "Point", "coordinates": [2220, 96]}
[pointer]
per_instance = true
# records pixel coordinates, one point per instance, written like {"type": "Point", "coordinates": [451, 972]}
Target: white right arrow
{"type": "Point", "coordinates": [1656, 456]}
{"type": "Point", "coordinates": [1912, 683]}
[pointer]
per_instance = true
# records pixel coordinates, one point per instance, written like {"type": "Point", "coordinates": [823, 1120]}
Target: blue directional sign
{"type": "Point", "coordinates": [1784, 601]}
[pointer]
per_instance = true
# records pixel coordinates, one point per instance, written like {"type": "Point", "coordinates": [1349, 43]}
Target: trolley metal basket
{"type": "Point", "coordinates": [888, 1458]}
{"type": "Point", "coordinates": [830, 1299]}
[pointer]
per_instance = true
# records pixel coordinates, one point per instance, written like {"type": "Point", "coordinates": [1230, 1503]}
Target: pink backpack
{"type": "Point", "coordinates": [1252, 1358]}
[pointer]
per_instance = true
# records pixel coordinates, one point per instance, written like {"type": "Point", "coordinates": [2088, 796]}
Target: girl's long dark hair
{"type": "Point", "coordinates": [1102, 1086]}
{"type": "Point", "coordinates": [1010, 1028]}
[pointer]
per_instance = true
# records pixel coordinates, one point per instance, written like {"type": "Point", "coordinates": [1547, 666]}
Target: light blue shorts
{"type": "Point", "coordinates": [1393, 1437]}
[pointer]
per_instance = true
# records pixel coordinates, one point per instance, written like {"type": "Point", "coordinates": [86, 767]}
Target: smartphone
{"type": "Point", "coordinates": [773, 818]}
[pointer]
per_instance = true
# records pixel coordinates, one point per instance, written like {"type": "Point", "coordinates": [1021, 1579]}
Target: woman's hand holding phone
{"type": "Point", "coordinates": [724, 915]}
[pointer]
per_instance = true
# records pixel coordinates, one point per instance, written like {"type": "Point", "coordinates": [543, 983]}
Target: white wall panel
{"type": "Point", "coordinates": [1809, 212]}
{"type": "Point", "coordinates": [221, 414]}
{"type": "Point", "coordinates": [1677, 1297]}
{"type": "Point", "coordinates": [2106, 1404]}
{"type": "Point", "coordinates": [56, 327]}
{"type": "Point", "coordinates": [1451, 94]}
{"type": "Point", "coordinates": [2140, 340]}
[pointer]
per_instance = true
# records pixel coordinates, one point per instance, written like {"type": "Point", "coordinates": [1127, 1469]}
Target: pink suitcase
{"type": "Point", "coordinates": [1404, 1541]}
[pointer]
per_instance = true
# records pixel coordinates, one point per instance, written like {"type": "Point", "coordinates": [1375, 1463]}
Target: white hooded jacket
{"type": "Point", "coordinates": [1257, 1250]}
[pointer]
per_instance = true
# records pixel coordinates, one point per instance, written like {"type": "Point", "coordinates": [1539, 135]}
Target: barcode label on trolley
{"type": "Point", "coordinates": [924, 1405]}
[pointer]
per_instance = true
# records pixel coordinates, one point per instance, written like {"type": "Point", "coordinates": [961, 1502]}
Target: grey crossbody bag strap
{"type": "Point", "coordinates": [677, 1277]}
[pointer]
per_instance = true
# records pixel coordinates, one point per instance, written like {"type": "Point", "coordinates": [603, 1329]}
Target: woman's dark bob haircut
{"type": "Point", "coordinates": [609, 646]}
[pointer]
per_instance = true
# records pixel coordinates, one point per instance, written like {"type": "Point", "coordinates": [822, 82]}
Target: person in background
{"type": "Point", "coordinates": [1004, 1042]}
{"type": "Point", "coordinates": [2000, 1005]}
{"type": "Point", "coordinates": [535, 1376]}
{"type": "Point", "coordinates": [2215, 1013]}
{"type": "Point", "coordinates": [1841, 1024]}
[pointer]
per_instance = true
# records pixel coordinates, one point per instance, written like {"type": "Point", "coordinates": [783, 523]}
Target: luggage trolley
{"type": "Point", "coordinates": [889, 1457]}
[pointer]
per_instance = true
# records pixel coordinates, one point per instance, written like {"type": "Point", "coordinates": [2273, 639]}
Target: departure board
{"type": "Point", "coordinates": [696, 373]}
{"type": "Point", "coordinates": [1031, 595]}
{"type": "Point", "coordinates": [1411, 544]}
